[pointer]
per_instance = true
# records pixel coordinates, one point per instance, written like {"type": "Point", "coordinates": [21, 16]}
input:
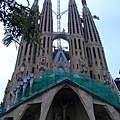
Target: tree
{"type": "Point", "coordinates": [19, 22]}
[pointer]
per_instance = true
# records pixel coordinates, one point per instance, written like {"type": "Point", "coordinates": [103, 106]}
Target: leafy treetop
{"type": "Point", "coordinates": [19, 22]}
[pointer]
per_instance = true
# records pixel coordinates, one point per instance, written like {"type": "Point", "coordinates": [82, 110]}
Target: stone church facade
{"type": "Point", "coordinates": [54, 84]}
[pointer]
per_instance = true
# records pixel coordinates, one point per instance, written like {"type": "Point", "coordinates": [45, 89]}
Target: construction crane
{"type": "Point", "coordinates": [58, 16]}
{"type": "Point", "coordinates": [58, 23]}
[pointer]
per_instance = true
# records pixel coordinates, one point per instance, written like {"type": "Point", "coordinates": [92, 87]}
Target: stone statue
{"type": "Point", "coordinates": [64, 110]}
{"type": "Point", "coordinates": [58, 116]}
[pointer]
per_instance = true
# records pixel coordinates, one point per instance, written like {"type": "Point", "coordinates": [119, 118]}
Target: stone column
{"type": "Point", "coordinates": [87, 102]}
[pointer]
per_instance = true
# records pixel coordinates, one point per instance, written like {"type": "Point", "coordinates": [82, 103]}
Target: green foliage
{"type": "Point", "coordinates": [19, 22]}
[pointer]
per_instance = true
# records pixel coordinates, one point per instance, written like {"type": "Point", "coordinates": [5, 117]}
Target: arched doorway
{"type": "Point", "coordinates": [66, 105]}
{"type": "Point", "coordinates": [32, 112]}
{"type": "Point", "coordinates": [101, 113]}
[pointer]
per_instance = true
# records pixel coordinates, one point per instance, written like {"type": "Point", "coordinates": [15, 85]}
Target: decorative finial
{"type": "Point", "coordinates": [84, 2]}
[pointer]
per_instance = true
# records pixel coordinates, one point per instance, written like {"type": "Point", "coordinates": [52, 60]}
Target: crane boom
{"type": "Point", "coordinates": [58, 16]}
{"type": "Point", "coordinates": [58, 23]}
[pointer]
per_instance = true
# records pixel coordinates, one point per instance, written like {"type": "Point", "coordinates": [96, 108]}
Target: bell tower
{"type": "Point", "coordinates": [97, 66]}
{"type": "Point", "coordinates": [46, 29]}
{"type": "Point", "coordinates": [52, 83]}
{"type": "Point", "coordinates": [76, 42]}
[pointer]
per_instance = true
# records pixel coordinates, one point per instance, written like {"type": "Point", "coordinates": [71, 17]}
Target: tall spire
{"type": "Point", "coordinates": [35, 5]}
{"type": "Point", "coordinates": [94, 50]}
{"type": "Point", "coordinates": [74, 23]}
{"type": "Point", "coordinates": [77, 39]}
{"type": "Point", "coordinates": [84, 2]}
{"type": "Point", "coordinates": [46, 18]}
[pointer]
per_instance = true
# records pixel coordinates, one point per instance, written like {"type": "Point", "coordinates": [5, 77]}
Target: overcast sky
{"type": "Point", "coordinates": [108, 27]}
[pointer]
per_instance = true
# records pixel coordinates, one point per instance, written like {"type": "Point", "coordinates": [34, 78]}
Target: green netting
{"type": "Point", "coordinates": [19, 97]}
{"type": "Point", "coordinates": [95, 87]}
{"type": "Point", "coordinates": [3, 110]}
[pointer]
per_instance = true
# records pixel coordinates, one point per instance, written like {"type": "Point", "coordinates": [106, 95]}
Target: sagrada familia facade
{"type": "Point", "coordinates": [54, 84]}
